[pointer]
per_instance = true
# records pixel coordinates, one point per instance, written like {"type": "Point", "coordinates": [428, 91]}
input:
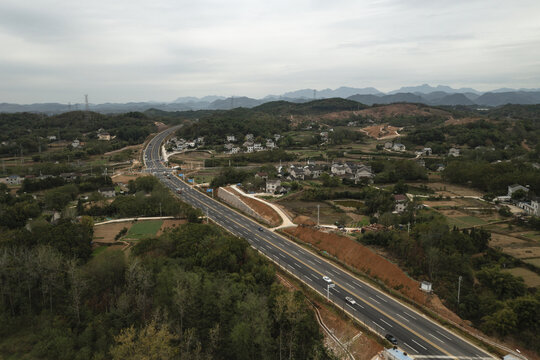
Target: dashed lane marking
{"type": "Point", "coordinates": [422, 346]}
{"type": "Point", "coordinates": [385, 322]}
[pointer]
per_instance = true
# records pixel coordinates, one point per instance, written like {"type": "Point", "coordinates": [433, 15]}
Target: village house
{"type": "Point", "coordinates": [104, 136]}
{"type": "Point", "coordinates": [51, 137]}
{"type": "Point", "coordinates": [107, 192]}
{"type": "Point", "coordinates": [401, 203]}
{"type": "Point", "coordinates": [270, 144]}
{"type": "Point", "coordinates": [12, 180]}
{"type": "Point", "coordinates": [427, 151]}
{"type": "Point", "coordinates": [258, 147]}
{"type": "Point", "coordinates": [249, 137]}
{"type": "Point", "coordinates": [231, 138]}
{"type": "Point", "coordinates": [76, 143]}
{"type": "Point", "coordinates": [277, 137]}
{"type": "Point", "coordinates": [530, 207]}
{"type": "Point", "coordinates": [228, 146]}
{"type": "Point", "coordinates": [515, 187]}
{"type": "Point", "coordinates": [398, 147]}
{"type": "Point", "coordinates": [453, 152]}
{"type": "Point", "coordinates": [272, 186]}
{"type": "Point", "coordinates": [388, 145]}
{"type": "Point", "coordinates": [234, 150]}
{"type": "Point", "coordinates": [249, 149]}
{"type": "Point", "coordinates": [297, 173]}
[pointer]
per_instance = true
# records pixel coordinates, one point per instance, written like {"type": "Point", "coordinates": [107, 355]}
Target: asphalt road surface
{"type": "Point", "coordinates": [417, 335]}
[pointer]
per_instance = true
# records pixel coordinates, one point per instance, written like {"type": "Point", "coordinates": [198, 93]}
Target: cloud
{"type": "Point", "coordinates": [57, 50]}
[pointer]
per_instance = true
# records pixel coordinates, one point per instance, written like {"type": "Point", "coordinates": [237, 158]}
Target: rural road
{"type": "Point", "coordinates": [417, 335]}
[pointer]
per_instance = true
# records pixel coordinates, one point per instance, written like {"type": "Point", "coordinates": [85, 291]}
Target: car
{"type": "Point", "coordinates": [260, 228]}
{"type": "Point", "coordinates": [350, 300]}
{"type": "Point", "coordinates": [391, 338]}
{"type": "Point", "coordinates": [327, 279]}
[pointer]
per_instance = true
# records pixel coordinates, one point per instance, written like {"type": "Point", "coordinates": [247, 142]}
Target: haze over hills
{"type": "Point", "coordinates": [425, 94]}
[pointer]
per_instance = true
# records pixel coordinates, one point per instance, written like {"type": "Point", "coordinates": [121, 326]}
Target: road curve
{"type": "Point", "coordinates": [417, 335]}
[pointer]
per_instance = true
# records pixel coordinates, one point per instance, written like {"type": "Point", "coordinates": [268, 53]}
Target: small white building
{"type": "Point", "coordinates": [231, 138]}
{"type": "Point", "coordinates": [388, 145]}
{"type": "Point", "coordinates": [258, 147]}
{"type": "Point", "coordinates": [107, 192]}
{"type": "Point", "coordinates": [270, 144]}
{"type": "Point", "coordinates": [454, 152]}
{"type": "Point", "coordinates": [425, 286]}
{"type": "Point", "coordinates": [12, 180]}
{"type": "Point", "coordinates": [249, 137]}
{"type": "Point", "coordinates": [398, 147]}
{"type": "Point", "coordinates": [272, 185]}
{"type": "Point", "coordinates": [515, 187]}
{"type": "Point", "coordinates": [76, 143]}
{"type": "Point", "coordinates": [427, 151]}
{"type": "Point", "coordinates": [104, 136]}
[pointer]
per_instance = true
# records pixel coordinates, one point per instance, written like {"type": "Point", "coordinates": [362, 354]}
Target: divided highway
{"type": "Point", "coordinates": [417, 335]}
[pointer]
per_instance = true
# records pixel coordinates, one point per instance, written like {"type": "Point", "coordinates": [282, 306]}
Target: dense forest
{"type": "Point", "coordinates": [193, 293]}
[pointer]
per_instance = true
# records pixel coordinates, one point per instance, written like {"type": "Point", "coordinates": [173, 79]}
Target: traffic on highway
{"type": "Point", "coordinates": [412, 332]}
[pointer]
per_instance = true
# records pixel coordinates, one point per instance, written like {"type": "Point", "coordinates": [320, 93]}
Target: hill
{"type": "Point", "coordinates": [309, 108]}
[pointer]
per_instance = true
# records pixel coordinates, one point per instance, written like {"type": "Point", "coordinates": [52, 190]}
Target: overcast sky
{"type": "Point", "coordinates": [138, 50]}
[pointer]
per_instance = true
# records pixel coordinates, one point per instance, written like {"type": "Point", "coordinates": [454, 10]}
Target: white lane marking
{"type": "Point", "coordinates": [294, 252]}
{"type": "Point", "coordinates": [374, 300]}
{"type": "Point", "coordinates": [423, 347]}
{"type": "Point", "coordinates": [297, 265]}
{"type": "Point", "coordinates": [410, 347]}
{"type": "Point", "coordinates": [379, 326]}
{"type": "Point", "coordinates": [444, 336]}
{"type": "Point", "coordinates": [283, 256]}
{"type": "Point", "coordinates": [307, 277]}
{"type": "Point", "coordinates": [403, 317]}
{"type": "Point", "coordinates": [311, 262]}
{"type": "Point", "coordinates": [289, 265]}
{"type": "Point", "coordinates": [385, 322]}
{"type": "Point", "coordinates": [336, 290]}
{"type": "Point", "coordinates": [349, 305]}
{"type": "Point", "coordinates": [381, 298]}
{"type": "Point", "coordinates": [349, 285]}
{"type": "Point", "coordinates": [357, 284]}
{"type": "Point", "coordinates": [317, 261]}
{"type": "Point", "coordinates": [314, 276]}
{"type": "Point", "coordinates": [409, 315]}
{"type": "Point", "coordinates": [435, 337]}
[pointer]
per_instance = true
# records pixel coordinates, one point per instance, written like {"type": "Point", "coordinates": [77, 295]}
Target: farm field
{"type": "Point", "coordinates": [531, 278]}
{"type": "Point", "coordinates": [143, 229]}
{"type": "Point", "coordinates": [526, 250]}
{"type": "Point", "coordinates": [445, 189]}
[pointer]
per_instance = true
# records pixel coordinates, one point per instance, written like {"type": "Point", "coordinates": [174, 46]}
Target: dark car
{"type": "Point", "coordinates": [260, 229]}
{"type": "Point", "coordinates": [391, 338]}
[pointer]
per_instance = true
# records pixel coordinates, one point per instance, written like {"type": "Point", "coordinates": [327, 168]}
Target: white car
{"type": "Point", "coordinates": [327, 279]}
{"type": "Point", "coordinates": [350, 300]}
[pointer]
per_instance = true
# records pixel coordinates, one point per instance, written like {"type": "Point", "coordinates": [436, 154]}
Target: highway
{"type": "Point", "coordinates": [417, 335]}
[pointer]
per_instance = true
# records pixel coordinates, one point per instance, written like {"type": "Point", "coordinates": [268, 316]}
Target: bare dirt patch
{"type": "Point", "coordinates": [106, 233]}
{"type": "Point", "coordinates": [361, 258]}
{"type": "Point", "coordinates": [518, 248]}
{"type": "Point", "coordinates": [170, 224]}
{"type": "Point", "coordinates": [124, 178]}
{"type": "Point", "coordinates": [259, 207]}
{"type": "Point", "coordinates": [383, 131]}
{"type": "Point", "coordinates": [453, 190]}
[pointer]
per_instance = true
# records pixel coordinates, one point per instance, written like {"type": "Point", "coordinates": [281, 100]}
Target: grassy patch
{"type": "Point", "coordinates": [535, 262]}
{"type": "Point", "coordinates": [349, 203]}
{"type": "Point", "coordinates": [531, 279]}
{"type": "Point", "coordinates": [533, 235]}
{"type": "Point", "coordinates": [143, 229]}
{"type": "Point", "coordinates": [98, 250]}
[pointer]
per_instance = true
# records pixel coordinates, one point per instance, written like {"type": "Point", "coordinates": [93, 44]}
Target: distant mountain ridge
{"type": "Point", "coordinates": [425, 94]}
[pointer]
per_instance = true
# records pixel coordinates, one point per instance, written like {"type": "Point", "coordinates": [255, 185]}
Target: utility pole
{"type": "Point", "coordinates": [207, 215]}
{"type": "Point", "coordinates": [318, 214]}
{"type": "Point", "coordinates": [459, 288]}
{"type": "Point", "coordinates": [160, 214]}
